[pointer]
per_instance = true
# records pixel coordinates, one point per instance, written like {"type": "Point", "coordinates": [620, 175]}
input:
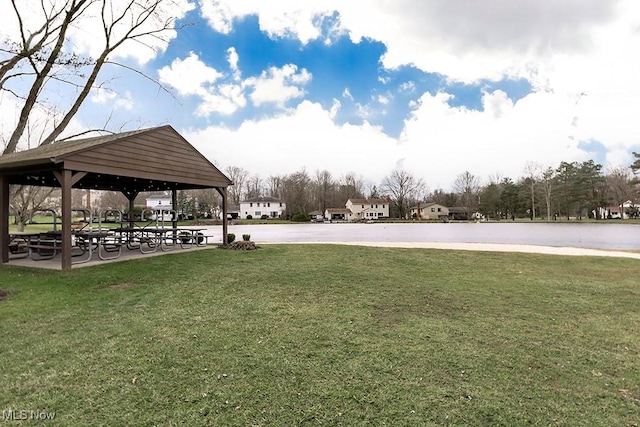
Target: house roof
{"type": "Point", "coordinates": [368, 201]}
{"type": "Point", "coordinates": [150, 159]}
{"type": "Point", "coordinates": [428, 205]}
{"type": "Point", "coordinates": [262, 199]}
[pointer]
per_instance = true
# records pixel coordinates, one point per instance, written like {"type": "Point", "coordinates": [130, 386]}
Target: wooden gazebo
{"type": "Point", "coordinates": [154, 159]}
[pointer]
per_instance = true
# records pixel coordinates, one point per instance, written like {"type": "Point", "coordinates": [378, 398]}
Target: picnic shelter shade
{"type": "Point", "coordinates": [153, 159]}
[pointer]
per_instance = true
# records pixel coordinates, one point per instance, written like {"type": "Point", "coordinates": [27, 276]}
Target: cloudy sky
{"type": "Point", "coordinates": [435, 87]}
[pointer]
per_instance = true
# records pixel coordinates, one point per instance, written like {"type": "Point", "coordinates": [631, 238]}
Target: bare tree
{"type": "Point", "coordinates": [532, 174]}
{"type": "Point", "coordinates": [619, 185]}
{"type": "Point", "coordinates": [403, 189]}
{"type": "Point", "coordinates": [350, 186]}
{"type": "Point", "coordinates": [253, 187]}
{"type": "Point", "coordinates": [24, 203]}
{"type": "Point", "coordinates": [324, 189]}
{"type": "Point", "coordinates": [42, 53]}
{"type": "Point", "coordinates": [467, 186]}
{"type": "Point", "coordinates": [238, 176]}
{"type": "Point", "coordinates": [274, 186]}
{"type": "Point", "coordinates": [295, 191]}
{"type": "Point", "coordinates": [547, 181]}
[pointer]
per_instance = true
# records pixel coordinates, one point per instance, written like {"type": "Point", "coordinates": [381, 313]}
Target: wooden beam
{"type": "Point", "coordinates": [75, 177]}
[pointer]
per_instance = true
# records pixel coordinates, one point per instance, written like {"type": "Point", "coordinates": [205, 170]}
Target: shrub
{"type": "Point", "coordinates": [249, 216]}
{"type": "Point", "coordinates": [300, 217]}
{"type": "Point", "coordinates": [246, 237]}
{"type": "Point", "coordinates": [231, 238]}
{"type": "Point", "coordinates": [264, 216]}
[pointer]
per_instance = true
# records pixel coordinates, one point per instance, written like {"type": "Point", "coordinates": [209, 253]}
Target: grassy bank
{"type": "Point", "coordinates": [333, 335]}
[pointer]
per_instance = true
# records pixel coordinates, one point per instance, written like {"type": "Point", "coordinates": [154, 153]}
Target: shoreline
{"type": "Point", "coordinates": [486, 247]}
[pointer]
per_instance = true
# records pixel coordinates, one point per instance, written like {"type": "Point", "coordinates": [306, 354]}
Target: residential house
{"type": "Point", "coordinates": [367, 209]}
{"type": "Point", "coordinates": [256, 207]}
{"type": "Point", "coordinates": [429, 211]}
{"type": "Point", "coordinates": [160, 204]}
{"type": "Point", "coordinates": [625, 211]}
{"type": "Point", "coordinates": [336, 214]}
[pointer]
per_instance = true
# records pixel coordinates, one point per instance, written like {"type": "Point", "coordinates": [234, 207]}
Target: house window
{"type": "Point", "coordinates": [258, 213]}
{"type": "Point", "coordinates": [362, 206]}
{"type": "Point", "coordinates": [439, 209]}
{"type": "Point", "coordinates": [250, 205]}
{"type": "Point", "coordinates": [280, 204]}
{"type": "Point", "coordinates": [379, 213]}
{"type": "Point", "coordinates": [268, 205]}
{"type": "Point", "coordinates": [376, 206]}
{"type": "Point", "coordinates": [433, 209]}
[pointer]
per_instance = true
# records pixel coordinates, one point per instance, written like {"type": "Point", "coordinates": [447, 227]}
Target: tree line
{"type": "Point", "coordinates": [571, 189]}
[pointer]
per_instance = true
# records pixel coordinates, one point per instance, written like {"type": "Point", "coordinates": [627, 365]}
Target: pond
{"type": "Point", "coordinates": [618, 235]}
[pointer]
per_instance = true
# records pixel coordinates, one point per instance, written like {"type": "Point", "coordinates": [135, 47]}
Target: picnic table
{"type": "Point", "coordinates": [149, 239]}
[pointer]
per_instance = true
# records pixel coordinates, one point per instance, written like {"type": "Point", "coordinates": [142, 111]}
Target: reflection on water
{"type": "Point", "coordinates": [595, 236]}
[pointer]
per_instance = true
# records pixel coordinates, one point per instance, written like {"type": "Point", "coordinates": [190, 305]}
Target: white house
{"type": "Point", "coordinates": [429, 211]}
{"type": "Point", "coordinates": [160, 203]}
{"type": "Point", "coordinates": [256, 207]}
{"type": "Point", "coordinates": [618, 212]}
{"type": "Point", "coordinates": [367, 209]}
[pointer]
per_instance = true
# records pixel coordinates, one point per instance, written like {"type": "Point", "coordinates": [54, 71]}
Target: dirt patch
{"type": "Point", "coordinates": [121, 286]}
{"type": "Point", "coordinates": [4, 295]}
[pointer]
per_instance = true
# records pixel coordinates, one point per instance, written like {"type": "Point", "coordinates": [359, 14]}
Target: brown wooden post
{"type": "Point", "coordinates": [174, 207]}
{"type": "Point", "coordinates": [225, 223]}
{"type": "Point", "coordinates": [4, 219]}
{"type": "Point", "coordinates": [65, 185]}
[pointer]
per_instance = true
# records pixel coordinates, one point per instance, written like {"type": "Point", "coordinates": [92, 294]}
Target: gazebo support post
{"type": "Point", "coordinates": [65, 184]}
{"type": "Point", "coordinates": [225, 223]}
{"type": "Point", "coordinates": [67, 180]}
{"type": "Point", "coordinates": [4, 219]}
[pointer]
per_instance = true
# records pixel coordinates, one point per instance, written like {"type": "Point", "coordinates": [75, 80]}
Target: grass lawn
{"type": "Point", "coordinates": [326, 335]}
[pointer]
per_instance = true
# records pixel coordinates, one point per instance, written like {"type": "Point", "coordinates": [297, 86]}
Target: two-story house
{"type": "Point", "coordinates": [367, 209]}
{"type": "Point", "coordinates": [429, 211]}
{"type": "Point", "coordinates": [256, 207]}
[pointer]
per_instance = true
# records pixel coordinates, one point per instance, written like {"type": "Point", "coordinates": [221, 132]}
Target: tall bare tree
{"type": "Point", "coordinates": [403, 189]}
{"type": "Point", "coordinates": [239, 177]}
{"type": "Point", "coordinates": [619, 183]}
{"type": "Point", "coordinates": [42, 55]}
{"type": "Point", "coordinates": [547, 185]}
{"type": "Point", "coordinates": [324, 190]}
{"type": "Point", "coordinates": [467, 186]}
{"type": "Point", "coordinates": [532, 174]}
{"type": "Point", "coordinates": [253, 187]}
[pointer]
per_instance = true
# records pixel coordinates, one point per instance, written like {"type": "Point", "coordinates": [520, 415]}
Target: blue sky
{"type": "Point", "coordinates": [366, 87]}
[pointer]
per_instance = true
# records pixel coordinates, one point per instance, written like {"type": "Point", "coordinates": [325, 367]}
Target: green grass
{"type": "Point", "coordinates": [326, 335]}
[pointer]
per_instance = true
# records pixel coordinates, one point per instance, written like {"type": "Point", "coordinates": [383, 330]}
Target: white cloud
{"type": "Point", "coordinates": [562, 48]}
{"type": "Point", "coordinates": [278, 85]}
{"type": "Point", "coordinates": [191, 76]}
{"type": "Point", "coordinates": [232, 58]}
{"type": "Point", "coordinates": [302, 137]}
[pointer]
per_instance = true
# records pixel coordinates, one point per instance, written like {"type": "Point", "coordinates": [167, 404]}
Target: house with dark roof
{"type": "Point", "coordinates": [257, 207]}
